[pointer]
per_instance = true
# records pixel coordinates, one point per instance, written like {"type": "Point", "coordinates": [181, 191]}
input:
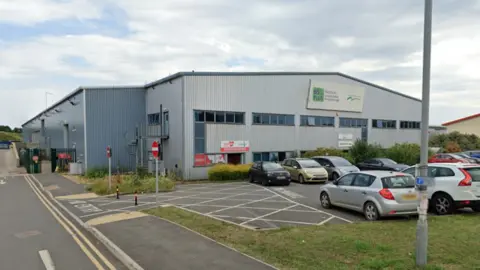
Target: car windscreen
{"type": "Point", "coordinates": [387, 161]}
{"type": "Point", "coordinates": [340, 162]}
{"type": "Point", "coordinates": [309, 163]}
{"type": "Point", "coordinates": [474, 173]}
{"type": "Point", "coordinates": [398, 181]}
{"type": "Point", "coordinates": [271, 166]}
{"type": "Point", "coordinates": [456, 156]}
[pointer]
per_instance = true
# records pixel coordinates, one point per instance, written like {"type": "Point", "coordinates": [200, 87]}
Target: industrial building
{"type": "Point", "coordinates": [465, 125]}
{"type": "Point", "coordinates": [202, 118]}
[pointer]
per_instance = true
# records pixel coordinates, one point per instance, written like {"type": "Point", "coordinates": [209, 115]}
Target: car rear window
{"type": "Point", "coordinates": [474, 172]}
{"type": "Point", "coordinates": [398, 181]}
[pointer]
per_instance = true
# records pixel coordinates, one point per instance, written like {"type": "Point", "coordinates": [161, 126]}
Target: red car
{"type": "Point", "coordinates": [447, 158]}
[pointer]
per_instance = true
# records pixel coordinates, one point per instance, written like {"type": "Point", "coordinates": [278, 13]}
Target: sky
{"type": "Point", "coordinates": [54, 46]}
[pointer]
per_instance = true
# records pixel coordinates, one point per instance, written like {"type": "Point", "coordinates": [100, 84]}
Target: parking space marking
{"type": "Point", "coordinates": [288, 193]}
{"type": "Point", "coordinates": [235, 206]}
{"type": "Point", "coordinates": [223, 198]}
{"type": "Point", "coordinates": [269, 214]}
{"type": "Point", "coordinates": [307, 206]}
{"type": "Point", "coordinates": [326, 220]}
{"type": "Point", "coordinates": [266, 220]}
{"type": "Point", "coordinates": [249, 207]}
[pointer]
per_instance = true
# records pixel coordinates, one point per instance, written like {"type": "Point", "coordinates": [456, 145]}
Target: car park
{"type": "Point", "coordinates": [268, 173]}
{"type": "Point", "coordinates": [468, 157]}
{"type": "Point", "coordinates": [447, 158]}
{"type": "Point", "coordinates": [455, 185]}
{"type": "Point", "coordinates": [381, 164]}
{"type": "Point", "coordinates": [305, 170]}
{"type": "Point", "coordinates": [376, 194]}
{"type": "Point", "coordinates": [336, 166]}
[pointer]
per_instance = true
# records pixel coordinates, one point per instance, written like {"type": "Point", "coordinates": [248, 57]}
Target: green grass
{"type": "Point", "coordinates": [129, 184]}
{"type": "Point", "coordinates": [453, 242]}
{"type": "Point", "coordinates": [10, 136]}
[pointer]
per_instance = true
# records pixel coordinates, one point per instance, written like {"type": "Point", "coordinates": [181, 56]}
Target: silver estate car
{"type": "Point", "coordinates": [374, 193]}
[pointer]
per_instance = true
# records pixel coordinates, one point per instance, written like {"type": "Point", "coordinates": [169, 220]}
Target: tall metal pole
{"type": "Point", "coordinates": [156, 180]}
{"type": "Point", "coordinates": [422, 224]}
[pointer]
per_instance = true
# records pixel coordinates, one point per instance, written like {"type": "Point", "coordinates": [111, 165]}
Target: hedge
{"type": "Point", "coordinates": [221, 172]}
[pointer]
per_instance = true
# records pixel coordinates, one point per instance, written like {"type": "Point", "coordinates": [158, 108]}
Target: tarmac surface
{"type": "Point", "coordinates": [248, 205]}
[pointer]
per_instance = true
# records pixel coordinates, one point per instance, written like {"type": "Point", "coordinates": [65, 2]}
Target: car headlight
{"type": "Point", "coordinates": [269, 174]}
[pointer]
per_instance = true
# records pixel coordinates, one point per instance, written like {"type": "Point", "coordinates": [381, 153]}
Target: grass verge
{"type": "Point", "coordinates": [453, 242]}
{"type": "Point", "coordinates": [130, 184]}
{"type": "Point", "coordinates": [10, 136]}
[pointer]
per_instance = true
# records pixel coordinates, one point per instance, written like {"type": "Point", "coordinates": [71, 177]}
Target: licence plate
{"type": "Point", "coordinates": [281, 177]}
{"type": "Point", "coordinates": [409, 197]}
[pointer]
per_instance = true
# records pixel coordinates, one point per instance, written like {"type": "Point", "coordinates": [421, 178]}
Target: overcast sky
{"type": "Point", "coordinates": [57, 45]}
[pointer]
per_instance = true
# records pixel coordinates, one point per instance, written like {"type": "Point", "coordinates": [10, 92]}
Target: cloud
{"type": "Point", "coordinates": [86, 42]}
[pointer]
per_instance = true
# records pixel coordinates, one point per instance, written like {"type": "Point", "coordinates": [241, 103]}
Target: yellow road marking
{"type": "Point", "coordinates": [115, 218]}
{"type": "Point", "coordinates": [92, 247]}
{"type": "Point", "coordinates": [77, 196]}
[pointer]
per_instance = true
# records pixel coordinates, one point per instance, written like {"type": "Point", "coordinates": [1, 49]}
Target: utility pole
{"type": "Point", "coordinates": [422, 224]}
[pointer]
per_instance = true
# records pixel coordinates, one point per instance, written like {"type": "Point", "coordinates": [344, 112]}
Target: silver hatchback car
{"type": "Point", "coordinates": [374, 193]}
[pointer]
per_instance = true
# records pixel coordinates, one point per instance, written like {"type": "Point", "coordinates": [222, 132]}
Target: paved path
{"type": "Point", "coordinates": [8, 163]}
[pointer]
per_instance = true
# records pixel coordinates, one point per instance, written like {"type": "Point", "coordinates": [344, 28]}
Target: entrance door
{"type": "Point", "coordinates": [234, 159]}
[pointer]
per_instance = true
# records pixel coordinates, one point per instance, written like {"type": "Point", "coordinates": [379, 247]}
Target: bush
{"type": "Point", "coordinates": [93, 173]}
{"type": "Point", "coordinates": [362, 150]}
{"type": "Point", "coordinates": [452, 147]}
{"type": "Point", "coordinates": [405, 153]}
{"type": "Point", "coordinates": [321, 151]}
{"type": "Point", "coordinates": [130, 184]}
{"type": "Point", "coordinates": [221, 172]}
{"type": "Point", "coordinates": [464, 141]}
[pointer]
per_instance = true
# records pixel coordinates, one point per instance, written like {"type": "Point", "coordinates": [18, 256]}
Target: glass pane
{"type": "Point", "coordinates": [303, 120]}
{"type": "Point", "coordinates": [199, 146]}
{"type": "Point", "coordinates": [265, 156]}
{"type": "Point", "coordinates": [257, 157]}
{"type": "Point", "coordinates": [220, 117]}
{"type": "Point", "coordinates": [239, 118]}
{"type": "Point", "coordinates": [230, 117]}
{"type": "Point", "coordinates": [273, 119]}
{"type": "Point", "coordinates": [209, 116]}
{"type": "Point", "coordinates": [199, 116]}
{"type": "Point", "coordinates": [199, 130]}
{"type": "Point", "coordinates": [256, 118]}
{"type": "Point", "coordinates": [289, 120]}
{"type": "Point", "coordinates": [265, 119]}
{"type": "Point", "coordinates": [318, 121]}
{"type": "Point", "coordinates": [281, 119]}
{"type": "Point", "coordinates": [330, 122]}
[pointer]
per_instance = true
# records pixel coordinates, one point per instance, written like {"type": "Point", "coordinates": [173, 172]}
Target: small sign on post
{"type": "Point", "coordinates": [35, 159]}
{"type": "Point", "coordinates": [109, 156]}
{"type": "Point", "coordinates": [155, 153]}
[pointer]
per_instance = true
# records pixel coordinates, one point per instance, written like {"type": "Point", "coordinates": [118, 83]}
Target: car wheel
{"type": "Point", "coordinates": [301, 179]}
{"type": "Point", "coordinates": [334, 176]}
{"type": "Point", "coordinates": [370, 211]}
{"type": "Point", "coordinates": [265, 182]}
{"type": "Point", "coordinates": [252, 179]}
{"type": "Point", "coordinates": [442, 204]}
{"type": "Point", "coordinates": [325, 200]}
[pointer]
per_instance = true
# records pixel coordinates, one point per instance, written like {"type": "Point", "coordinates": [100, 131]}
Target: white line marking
{"type": "Point", "coordinates": [47, 259]}
{"type": "Point", "coordinates": [235, 206]}
{"type": "Point", "coordinates": [288, 193]}
{"type": "Point", "coordinates": [266, 220]}
{"type": "Point", "coordinates": [269, 214]}
{"type": "Point", "coordinates": [326, 220]}
{"type": "Point", "coordinates": [304, 205]}
{"type": "Point", "coordinates": [253, 208]}
{"type": "Point", "coordinates": [223, 198]}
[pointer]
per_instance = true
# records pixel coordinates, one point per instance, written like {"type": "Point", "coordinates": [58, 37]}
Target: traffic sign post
{"type": "Point", "coordinates": [155, 152]}
{"type": "Point", "coordinates": [109, 156]}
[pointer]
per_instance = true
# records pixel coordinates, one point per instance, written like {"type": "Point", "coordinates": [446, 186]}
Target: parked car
{"type": "Point", "coordinates": [376, 194]}
{"type": "Point", "coordinates": [336, 166]}
{"type": "Point", "coordinates": [473, 153]}
{"type": "Point", "coordinates": [380, 164]}
{"type": "Point", "coordinates": [455, 185]}
{"type": "Point", "coordinates": [305, 170]}
{"type": "Point", "coordinates": [268, 173]}
{"type": "Point", "coordinates": [468, 157]}
{"type": "Point", "coordinates": [447, 158]}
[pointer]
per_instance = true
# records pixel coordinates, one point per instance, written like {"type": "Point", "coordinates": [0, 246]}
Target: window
{"type": "Point", "coordinates": [154, 119]}
{"type": "Point", "coordinates": [340, 162]}
{"type": "Point", "coordinates": [166, 123]}
{"type": "Point", "coordinates": [440, 172]}
{"type": "Point", "coordinates": [309, 163]}
{"type": "Point", "coordinates": [317, 121]}
{"type": "Point", "coordinates": [272, 156]}
{"type": "Point", "coordinates": [410, 171]}
{"type": "Point", "coordinates": [220, 117]}
{"type": "Point", "coordinates": [377, 123]}
{"type": "Point", "coordinates": [346, 180]}
{"type": "Point", "coordinates": [353, 122]}
{"type": "Point", "coordinates": [363, 180]}
{"type": "Point", "coordinates": [409, 125]}
{"type": "Point", "coordinates": [403, 181]}
{"type": "Point", "coordinates": [199, 132]}
{"type": "Point", "coordinates": [474, 173]}
{"type": "Point", "coordinates": [267, 166]}
{"type": "Point", "coordinates": [273, 119]}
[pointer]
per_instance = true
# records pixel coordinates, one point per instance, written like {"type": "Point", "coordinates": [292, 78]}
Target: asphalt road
{"type": "Point", "coordinates": [30, 234]}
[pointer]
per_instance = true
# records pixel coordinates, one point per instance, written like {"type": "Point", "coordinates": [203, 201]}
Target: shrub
{"type": "Point", "coordinates": [130, 184]}
{"type": "Point", "coordinates": [465, 141]}
{"type": "Point", "coordinates": [222, 172]}
{"type": "Point", "coordinates": [362, 150]}
{"type": "Point", "coordinates": [405, 153]}
{"type": "Point", "coordinates": [452, 147]}
{"type": "Point", "coordinates": [94, 173]}
{"type": "Point", "coordinates": [321, 151]}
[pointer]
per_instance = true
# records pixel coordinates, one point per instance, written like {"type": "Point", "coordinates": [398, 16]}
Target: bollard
{"type": "Point", "coordinates": [136, 199]}
{"type": "Point", "coordinates": [118, 194]}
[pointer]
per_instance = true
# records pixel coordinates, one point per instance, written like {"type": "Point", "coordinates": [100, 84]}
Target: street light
{"type": "Point", "coordinates": [46, 99]}
{"type": "Point", "coordinates": [422, 224]}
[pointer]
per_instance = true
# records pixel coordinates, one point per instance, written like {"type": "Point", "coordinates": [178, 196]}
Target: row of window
{"type": "Point", "coordinates": [317, 121]}
{"type": "Point", "coordinates": [273, 119]}
{"type": "Point", "coordinates": [154, 119]}
{"type": "Point", "coordinates": [220, 117]}
{"type": "Point", "coordinates": [272, 156]}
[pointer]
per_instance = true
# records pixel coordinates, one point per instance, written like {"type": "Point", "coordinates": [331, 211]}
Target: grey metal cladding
{"type": "Point", "coordinates": [111, 117]}
{"type": "Point", "coordinates": [62, 113]}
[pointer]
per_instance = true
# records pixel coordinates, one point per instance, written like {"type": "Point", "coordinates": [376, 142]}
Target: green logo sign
{"type": "Point", "coordinates": [352, 98]}
{"type": "Point", "coordinates": [318, 94]}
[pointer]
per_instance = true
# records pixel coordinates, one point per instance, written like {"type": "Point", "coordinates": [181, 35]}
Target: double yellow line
{"type": "Point", "coordinates": [72, 229]}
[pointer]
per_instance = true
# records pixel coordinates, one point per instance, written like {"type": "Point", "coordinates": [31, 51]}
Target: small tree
{"type": "Point", "coordinates": [362, 150]}
{"type": "Point", "coordinates": [452, 147]}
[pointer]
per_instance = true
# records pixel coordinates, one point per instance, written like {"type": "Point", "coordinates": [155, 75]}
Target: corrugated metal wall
{"type": "Point", "coordinates": [286, 95]}
{"type": "Point", "coordinates": [54, 121]}
{"type": "Point", "coordinates": [111, 117]}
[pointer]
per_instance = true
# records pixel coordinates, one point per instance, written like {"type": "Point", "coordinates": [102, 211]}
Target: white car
{"type": "Point", "coordinates": [455, 185]}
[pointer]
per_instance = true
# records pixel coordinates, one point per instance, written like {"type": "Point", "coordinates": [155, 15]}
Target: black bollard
{"type": "Point", "coordinates": [118, 194]}
{"type": "Point", "coordinates": [136, 199]}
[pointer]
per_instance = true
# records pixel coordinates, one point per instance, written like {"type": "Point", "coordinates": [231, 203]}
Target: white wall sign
{"type": "Point", "coordinates": [335, 97]}
{"type": "Point", "coordinates": [345, 144]}
{"type": "Point", "coordinates": [345, 137]}
{"type": "Point", "coordinates": [234, 146]}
